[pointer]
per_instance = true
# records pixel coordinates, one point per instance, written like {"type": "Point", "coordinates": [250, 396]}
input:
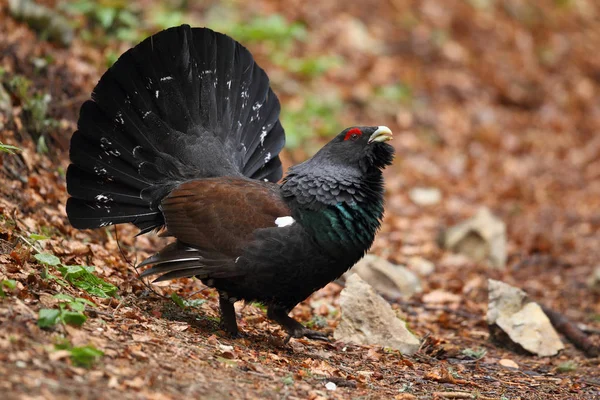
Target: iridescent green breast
{"type": "Point", "coordinates": [344, 226]}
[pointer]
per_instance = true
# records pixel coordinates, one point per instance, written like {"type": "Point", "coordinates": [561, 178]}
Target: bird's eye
{"type": "Point", "coordinates": [353, 134]}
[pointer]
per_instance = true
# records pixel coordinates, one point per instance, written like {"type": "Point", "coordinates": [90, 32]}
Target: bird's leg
{"type": "Point", "coordinates": [228, 322]}
{"type": "Point", "coordinates": [293, 328]}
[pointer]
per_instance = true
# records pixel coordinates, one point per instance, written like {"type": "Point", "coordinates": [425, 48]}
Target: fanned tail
{"type": "Point", "coordinates": [181, 105]}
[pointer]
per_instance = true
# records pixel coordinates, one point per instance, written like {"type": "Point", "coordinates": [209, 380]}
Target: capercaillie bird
{"type": "Point", "coordinates": [182, 134]}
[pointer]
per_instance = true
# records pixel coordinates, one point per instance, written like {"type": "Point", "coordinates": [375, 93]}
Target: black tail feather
{"type": "Point", "coordinates": [178, 260]}
{"type": "Point", "coordinates": [183, 104]}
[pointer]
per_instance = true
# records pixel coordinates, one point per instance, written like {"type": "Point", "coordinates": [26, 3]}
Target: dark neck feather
{"type": "Point", "coordinates": [341, 214]}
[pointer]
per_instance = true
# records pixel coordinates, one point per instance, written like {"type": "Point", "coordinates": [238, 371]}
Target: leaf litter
{"type": "Point", "coordinates": [496, 108]}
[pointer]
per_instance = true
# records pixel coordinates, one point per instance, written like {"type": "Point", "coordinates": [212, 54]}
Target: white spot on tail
{"type": "Point", "coordinates": [102, 198]}
{"type": "Point", "coordinates": [104, 143]}
{"type": "Point", "coordinates": [166, 78]}
{"type": "Point", "coordinates": [263, 135]}
{"type": "Point", "coordinates": [284, 221]}
{"type": "Point", "coordinates": [156, 94]}
{"type": "Point", "coordinates": [100, 171]}
{"type": "Point", "coordinates": [229, 84]}
{"type": "Point", "coordinates": [267, 157]}
{"type": "Point", "coordinates": [119, 118]}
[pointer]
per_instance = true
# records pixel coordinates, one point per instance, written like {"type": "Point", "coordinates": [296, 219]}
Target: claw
{"type": "Point", "coordinates": [307, 333]}
{"type": "Point", "coordinates": [316, 335]}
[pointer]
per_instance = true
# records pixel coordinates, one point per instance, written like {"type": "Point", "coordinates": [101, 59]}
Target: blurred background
{"type": "Point", "coordinates": [493, 103]}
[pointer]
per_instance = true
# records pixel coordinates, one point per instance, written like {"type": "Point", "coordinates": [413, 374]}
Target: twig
{"type": "Point", "coordinates": [572, 332]}
{"type": "Point", "coordinates": [38, 251]}
{"type": "Point", "coordinates": [134, 268]}
{"type": "Point", "coordinates": [95, 311]}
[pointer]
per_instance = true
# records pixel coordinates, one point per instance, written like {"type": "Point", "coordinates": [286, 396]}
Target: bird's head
{"type": "Point", "coordinates": [360, 147]}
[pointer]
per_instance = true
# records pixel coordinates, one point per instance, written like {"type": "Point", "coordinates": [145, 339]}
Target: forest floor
{"type": "Point", "coordinates": [493, 103]}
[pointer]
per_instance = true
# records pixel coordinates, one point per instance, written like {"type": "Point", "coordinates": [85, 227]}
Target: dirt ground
{"type": "Point", "coordinates": [495, 103]}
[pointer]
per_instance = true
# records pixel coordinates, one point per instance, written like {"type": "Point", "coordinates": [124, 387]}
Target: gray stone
{"type": "Point", "coordinates": [368, 319]}
{"type": "Point", "coordinates": [522, 320]}
{"type": "Point", "coordinates": [482, 237]}
{"type": "Point", "coordinates": [388, 279]}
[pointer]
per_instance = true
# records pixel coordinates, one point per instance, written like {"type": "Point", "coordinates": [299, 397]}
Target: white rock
{"type": "Point", "coordinates": [421, 266]}
{"type": "Point", "coordinates": [522, 320]}
{"type": "Point", "coordinates": [330, 386]}
{"type": "Point", "coordinates": [388, 279]}
{"type": "Point", "coordinates": [425, 196]}
{"type": "Point", "coordinates": [368, 319]}
{"type": "Point", "coordinates": [482, 237]}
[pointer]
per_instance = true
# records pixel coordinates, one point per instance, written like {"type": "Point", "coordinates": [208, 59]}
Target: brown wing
{"type": "Point", "coordinates": [221, 213]}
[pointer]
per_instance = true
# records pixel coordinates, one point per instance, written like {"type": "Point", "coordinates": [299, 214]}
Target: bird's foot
{"type": "Point", "coordinates": [231, 331]}
{"type": "Point", "coordinates": [294, 328]}
{"type": "Point", "coordinates": [228, 322]}
{"type": "Point", "coordinates": [307, 333]}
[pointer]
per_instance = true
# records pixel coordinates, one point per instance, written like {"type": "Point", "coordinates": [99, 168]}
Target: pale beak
{"type": "Point", "coordinates": [382, 134]}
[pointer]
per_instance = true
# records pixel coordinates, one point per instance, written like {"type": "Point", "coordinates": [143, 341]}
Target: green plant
{"type": "Point", "coordinates": [317, 321]}
{"type": "Point", "coordinates": [273, 29]}
{"type": "Point", "coordinates": [7, 283]}
{"type": "Point", "coordinates": [279, 36]}
{"type": "Point", "coordinates": [70, 311]}
{"type": "Point", "coordinates": [36, 237]}
{"type": "Point", "coordinates": [185, 304]}
{"type": "Point", "coordinates": [288, 380]}
{"type": "Point", "coordinates": [115, 18]}
{"type": "Point", "coordinates": [313, 117]}
{"type": "Point", "coordinates": [567, 366]}
{"type": "Point", "coordinates": [81, 356]}
{"type": "Point", "coordinates": [47, 259]}
{"type": "Point", "coordinates": [475, 354]}
{"type": "Point", "coordinates": [163, 17]}
{"type": "Point", "coordinates": [35, 107]}
{"type": "Point", "coordinates": [310, 67]}
{"type": "Point", "coordinates": [397, 93]}
{"type": "Point", "coordinates": [7, 148]}
{"type": "Point", "coordinates": [80, 276]}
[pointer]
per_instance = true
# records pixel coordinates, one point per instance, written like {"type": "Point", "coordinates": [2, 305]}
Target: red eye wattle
{"type": "Point", "coordinates": [353, 134]}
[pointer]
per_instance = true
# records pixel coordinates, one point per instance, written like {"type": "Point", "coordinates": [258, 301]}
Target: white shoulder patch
{"type": "Point", "coordinates": [284, 221]}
